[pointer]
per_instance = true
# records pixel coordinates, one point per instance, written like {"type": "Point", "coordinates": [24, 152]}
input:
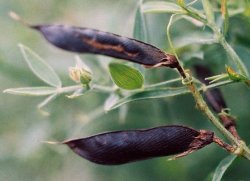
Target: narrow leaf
{"type": "Point", "coordinates": [194, 39]}
{"type": "Point", "coordinates": [224, 13]}
{"type": "Point", "coordinates": [32, 91]}
{"type": "Point", "coordinates": [161, 7]}
{"type": "Point", "coordinates": [125, 76]}
{"type": "Point", "coordinates": [151, 94]}
{"type": "Point", "coordinates": [140, 31]}
{"type": "Point", "coordinates": [123, 112]}
{"type": "Point", "coordinates": [39, 67]}
{"type": "Point", "coordinates": [223, 166]}
{"type": "Point", "coordinates": [110, 101]}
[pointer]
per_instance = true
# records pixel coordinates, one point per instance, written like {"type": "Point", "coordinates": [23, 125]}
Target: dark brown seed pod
{"type": "Point", "coordinates": [86, 40]}
{"type": "Point", "coordinates": [121, 147]}
{"type": "Point", "coordinates": [214, 96]}
{"type": "Point", "coordinates": [215, 100]}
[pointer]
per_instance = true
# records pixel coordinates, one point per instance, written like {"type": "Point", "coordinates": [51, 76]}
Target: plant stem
{"type": "Point", "coordinates": [99, 88]}
{"type": "Point", "coordinates": [201, 104]}
{"type": "Point", "coordinates": [203, 107]}
{"type": "Point", "coordinates": [241, 149]}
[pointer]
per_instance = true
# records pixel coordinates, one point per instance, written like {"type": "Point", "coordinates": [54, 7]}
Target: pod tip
{"type": "Point", "coordinates": [52, 142]}
{"type": "Point", "coordinates": [14, 16]}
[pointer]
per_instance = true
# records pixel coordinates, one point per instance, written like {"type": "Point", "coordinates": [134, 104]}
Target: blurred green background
{"type": "Point", "coordinates": [23, 156]}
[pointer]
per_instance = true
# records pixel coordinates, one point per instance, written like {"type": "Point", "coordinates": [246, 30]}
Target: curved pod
{"type": "Point", "coordinates": [87, 40]}
{"type": "Point", "coordinates": [121, 147]}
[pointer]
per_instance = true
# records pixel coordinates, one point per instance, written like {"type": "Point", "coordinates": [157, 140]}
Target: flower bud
{"type": "Point", "coordinates": [80, 73]}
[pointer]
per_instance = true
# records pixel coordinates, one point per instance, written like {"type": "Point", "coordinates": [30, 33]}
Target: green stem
{"type": "Point", "coordinates": [102, 88]}
{"type": "Point", "coordinates": [180, 68]}
{"type": "Point", "coordinates": [99, 88]}
{"type": "Point", "coordinates": [68, 89]}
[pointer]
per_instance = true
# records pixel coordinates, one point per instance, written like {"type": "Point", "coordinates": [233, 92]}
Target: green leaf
{"type": "Point", "coordinates": [225, 17]}
{"type": "Point", "coordinates": [161, 7]}
{"type": "Point", "coordinates": [123, 112]}
{"type": "Point", "coordinates": [151, 94]}
{"type": "Point", "coordinates": [125, 76]}
{"type": "Point", "coordinates": [223, 166]}
{"type": "Point", "coordinates": [39, 67]}
{"type": "Point", "coordinates": [194, 39]}
{"type": "Point", "coordinates": [140, 31]}
{"type": "Point", "coordinates": [32, 91]}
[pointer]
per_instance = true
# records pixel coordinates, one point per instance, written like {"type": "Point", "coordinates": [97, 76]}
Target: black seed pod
{"type": "Point", "coordinates": [86, 40]}
{"type": "Point", "coordinates": [121, 147]}
{"type": "Point", "coordinates": [215, 100]}
{"type": "Point", "coordinates": [214, 96]}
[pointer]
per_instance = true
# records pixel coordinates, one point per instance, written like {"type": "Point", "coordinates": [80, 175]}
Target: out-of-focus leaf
{"type": "Point", "coordinates": [32, 91]}
{"type": "Point", "coordinates": [223, 166]}
{"type": "Point", "coordinates": [194, 39]}
{"type": "Point", "coordinates": [224, 13]}
{"type": "Point", "coordinates": [123, 111]}
{"type": "Point", "coordinates": [140, 31]}
{"type": "Point", "coordinates": [209, 11]}
{"type": "Point", "coordinates": [125, 76]}
{"type": "Point", "coordinates": [39, 67]}
{"type": "Point", "coordinates": [161, 7]}
{"type": "Point", "coordinates": [193, 21]}
{"type": "Point", "coordinates": [47, 100]}
{"type": "Point", "coordinates": [151, 94]}
{"type": "Point", "coordinates": [110, 101]}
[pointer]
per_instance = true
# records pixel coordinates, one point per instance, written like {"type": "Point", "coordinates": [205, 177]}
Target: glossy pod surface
{"type": "Point", "coordinates": [86, 40]}
{"type": "Point", "coordinates": [127, 146]}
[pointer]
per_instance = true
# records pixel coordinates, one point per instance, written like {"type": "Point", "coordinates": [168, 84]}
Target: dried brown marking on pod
{"type": "Point", "coordinates": [117, 48]}
{"type": "Point", "coordinates": [120, 147]}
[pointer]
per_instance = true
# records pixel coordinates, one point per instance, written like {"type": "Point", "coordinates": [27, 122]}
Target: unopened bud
{"type": "Point", "coordinates": [234, 75]}
{"type": "Point", "coordinates": [80, 73]}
